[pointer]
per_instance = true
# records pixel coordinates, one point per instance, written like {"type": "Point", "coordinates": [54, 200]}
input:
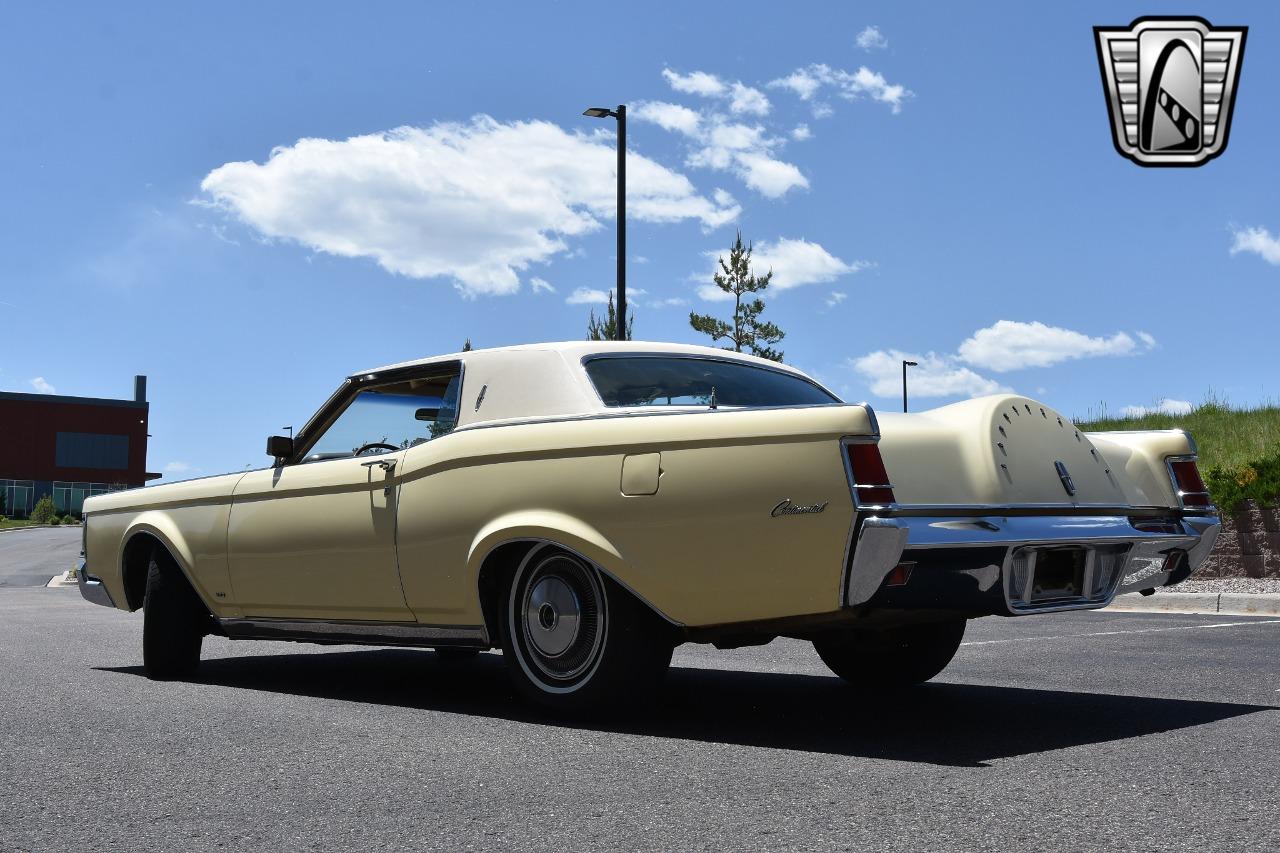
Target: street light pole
{"type": "Point", "coordinates": [621, 115]}
{"type": "Point", "coordinates": [905, 365]}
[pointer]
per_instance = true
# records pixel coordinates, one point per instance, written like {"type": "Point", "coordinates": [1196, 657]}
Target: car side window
{"type": "Point", "coordinates": [395, 416]}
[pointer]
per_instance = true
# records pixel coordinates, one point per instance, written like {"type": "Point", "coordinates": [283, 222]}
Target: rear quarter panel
{"type": "Point", "coordinates": [1141, 455]}
{"type": "Point", "coordinates": [702, 550]}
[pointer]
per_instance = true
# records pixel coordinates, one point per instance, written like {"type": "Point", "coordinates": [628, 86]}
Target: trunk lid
{"type": "Point", "coordinates": [1003, 450]}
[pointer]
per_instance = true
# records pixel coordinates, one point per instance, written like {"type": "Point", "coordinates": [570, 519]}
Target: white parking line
{"type": "Point", "coordinates": [1134, 631]}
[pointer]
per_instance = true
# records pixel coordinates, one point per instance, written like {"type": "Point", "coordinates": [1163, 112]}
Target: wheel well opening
{"type": "Point", "coordinates": [495, 576]}
{"type": "Point", "coordinates": [137, 557]}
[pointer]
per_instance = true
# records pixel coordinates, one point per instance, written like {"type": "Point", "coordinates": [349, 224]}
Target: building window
{"type": "Point", "coordinates": [69, 497]}
{"type": "Point", "coordinates": [92, 450]}
{"type": "Point", "coordinates": [16, 498]}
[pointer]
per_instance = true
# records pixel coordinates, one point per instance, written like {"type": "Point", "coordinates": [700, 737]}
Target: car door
{"type": "Point", "coordinates": [315, 538]}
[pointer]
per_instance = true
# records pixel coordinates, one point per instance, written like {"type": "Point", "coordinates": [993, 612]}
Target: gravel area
{"type": "Point", "coordinates": [1220, 585]}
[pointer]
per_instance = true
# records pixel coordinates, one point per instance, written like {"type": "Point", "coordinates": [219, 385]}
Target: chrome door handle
{"type": "Point", "coordinates": [384, 464]}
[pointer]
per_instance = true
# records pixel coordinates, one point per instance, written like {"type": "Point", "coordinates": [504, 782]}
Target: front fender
{"type": "Point", "coordinates": [160, 525]}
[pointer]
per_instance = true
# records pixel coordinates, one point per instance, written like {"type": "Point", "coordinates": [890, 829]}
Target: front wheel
{"type": "Point", "coordinates": [574, 639]}
{"type": "Point", "coordinates": [895, 657]}
{"type": "Point", "coordinates": [173, 621]}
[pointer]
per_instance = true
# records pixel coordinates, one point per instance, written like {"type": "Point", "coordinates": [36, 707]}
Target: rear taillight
{"type": "Point", "coordinates": [871, 486]}
{"type": "Point", "coordinates": [1187, 483]}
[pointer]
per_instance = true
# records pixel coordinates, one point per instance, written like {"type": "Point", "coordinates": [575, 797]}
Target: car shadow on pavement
{"type": "Point", "coordinates": [963, 725]}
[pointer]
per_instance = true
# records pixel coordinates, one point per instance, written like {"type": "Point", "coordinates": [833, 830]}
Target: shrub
{"type": "Point", "coordinates": [70, 519]}
{"type": "Point", "coordinates": [44, 512]}
{"type": "Point", "coordinates": [56, 520]}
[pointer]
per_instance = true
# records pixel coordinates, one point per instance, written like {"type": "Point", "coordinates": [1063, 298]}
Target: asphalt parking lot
{"type": "Point", "coordinates": [31, 557]}
{"type": "Point", "coordinates": [1069, 732]}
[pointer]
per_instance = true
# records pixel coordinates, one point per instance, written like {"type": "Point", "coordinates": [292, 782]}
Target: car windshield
{"type": "Point", "coordinates": [682, 381]}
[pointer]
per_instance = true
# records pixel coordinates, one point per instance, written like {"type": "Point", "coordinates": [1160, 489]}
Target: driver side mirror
{"type": "Point", "coordinates": [280, 446]}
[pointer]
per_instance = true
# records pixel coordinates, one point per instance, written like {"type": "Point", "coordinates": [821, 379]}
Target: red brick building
{"type": "Point", "coordinates": [70, 448]}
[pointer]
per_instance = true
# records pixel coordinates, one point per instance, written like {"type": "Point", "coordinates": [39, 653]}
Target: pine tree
{"type": "Point", "coordinates": [466, 345]}
{"type": "Point", "coordinates": [606, 329]}
{"type": "Point", "coordinates": [747, 331]}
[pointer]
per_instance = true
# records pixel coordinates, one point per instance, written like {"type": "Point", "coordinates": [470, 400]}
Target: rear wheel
{"type": "Point", "coordinates": [173, 621]}
{"type": "Point", "coordinates": [895, 657]}
{"type": "Point", "coordinates": [574, 639]}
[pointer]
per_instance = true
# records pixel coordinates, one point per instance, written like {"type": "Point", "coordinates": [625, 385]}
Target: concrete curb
{"type": "Point", "coordinates": [67, 578]}
{"type": "Point", "coordinates": [27, 527]}
{"type": "Point", "coordinates": [1225, 603]}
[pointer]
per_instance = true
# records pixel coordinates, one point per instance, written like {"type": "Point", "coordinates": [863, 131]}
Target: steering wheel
{"type": "Point", "coordinates": [375, 445]}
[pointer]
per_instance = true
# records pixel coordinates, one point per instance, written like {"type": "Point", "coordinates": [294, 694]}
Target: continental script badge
{"type": "Point", "coordinates": [1170, 85]}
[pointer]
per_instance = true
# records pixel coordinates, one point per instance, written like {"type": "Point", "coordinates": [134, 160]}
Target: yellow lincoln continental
{"type": "Point", "coordinates": [586, 507]}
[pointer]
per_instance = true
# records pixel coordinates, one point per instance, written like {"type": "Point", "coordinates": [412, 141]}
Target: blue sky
{"type": "Point", "coordinates": [942, 202]}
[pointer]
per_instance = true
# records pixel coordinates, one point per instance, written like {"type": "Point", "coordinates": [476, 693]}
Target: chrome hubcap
{"type": "Point", "coordinates": [553, 615]}
{"type": "Point", "coordinates": [558, 620]}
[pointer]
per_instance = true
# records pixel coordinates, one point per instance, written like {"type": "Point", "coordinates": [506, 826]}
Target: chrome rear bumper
{"type": "Point", "coordinates": [1144, 555]}
{"type": "Point", "coordinates": [91, 588]}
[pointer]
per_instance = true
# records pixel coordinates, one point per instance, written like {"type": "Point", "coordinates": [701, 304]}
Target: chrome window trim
{"type": "Point", "coordinates": [835, 398]}
{"type": "Point", "coordinates": [615, 412]}
{"type": "Point", "coordinates": [339, 400]}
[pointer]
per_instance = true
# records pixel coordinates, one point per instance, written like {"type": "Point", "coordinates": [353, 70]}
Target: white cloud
{"type": "Point", "coordinates": [541, 285]}
{"type": "Point", "coordinates": [801, 132]}
{"type": "Point", "coordinates": [1165, 407]}
{"type": "Point", "coordinates": [42, 387]}
{"type": "Point", "coordinates": [872, 39]}
{"type": "Point", "coordinates": [1259, 241]}
{"type": "Point", "coordinates": [935, 376]}
{"type": "Point", "coordinates": [722, 144]}
{"type": "Point", "coordinates": [1012, 345]}
{"type": "Point", "coordinates": [806, 82]}
{"type": "Point", "coordinates": [587, 296]}
{"type": "Point", "coordinates": [801, 82]}
{"type": "Point", "coordinates": [669, 302]}
{"type": "Point", "coordinates": [836, 298]}
{"type": "Point", "coordinates": [474, 202]}
{"type": "Point", "coordinates": [799, 262]}
{"type": "Point", "coordinates": [795, 262]}
{"type": "Point", "coordinates": [745, 99]}
{"type": "Point", "coordinates": [695, 83]}
{"type": "Point", "coordinates": [668, 116]}
{"type": "Point", "coordinates": [178, 467]}
{"type": "Point", "coordinates": [767, 176]}
{"type": "Point", "coordinates": [1148, 340]}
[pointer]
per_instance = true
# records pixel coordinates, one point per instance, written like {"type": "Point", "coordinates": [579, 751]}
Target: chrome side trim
{"type": "Point", "coordinates": [356, 632]}
{"type": "Point", "coordinates": [878, 549]}
{"type": "Point", "coordinates": [91, 588]}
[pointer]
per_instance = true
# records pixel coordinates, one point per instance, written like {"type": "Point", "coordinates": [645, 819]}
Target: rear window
{"type": "Point", "coordinates": [675, 381]}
